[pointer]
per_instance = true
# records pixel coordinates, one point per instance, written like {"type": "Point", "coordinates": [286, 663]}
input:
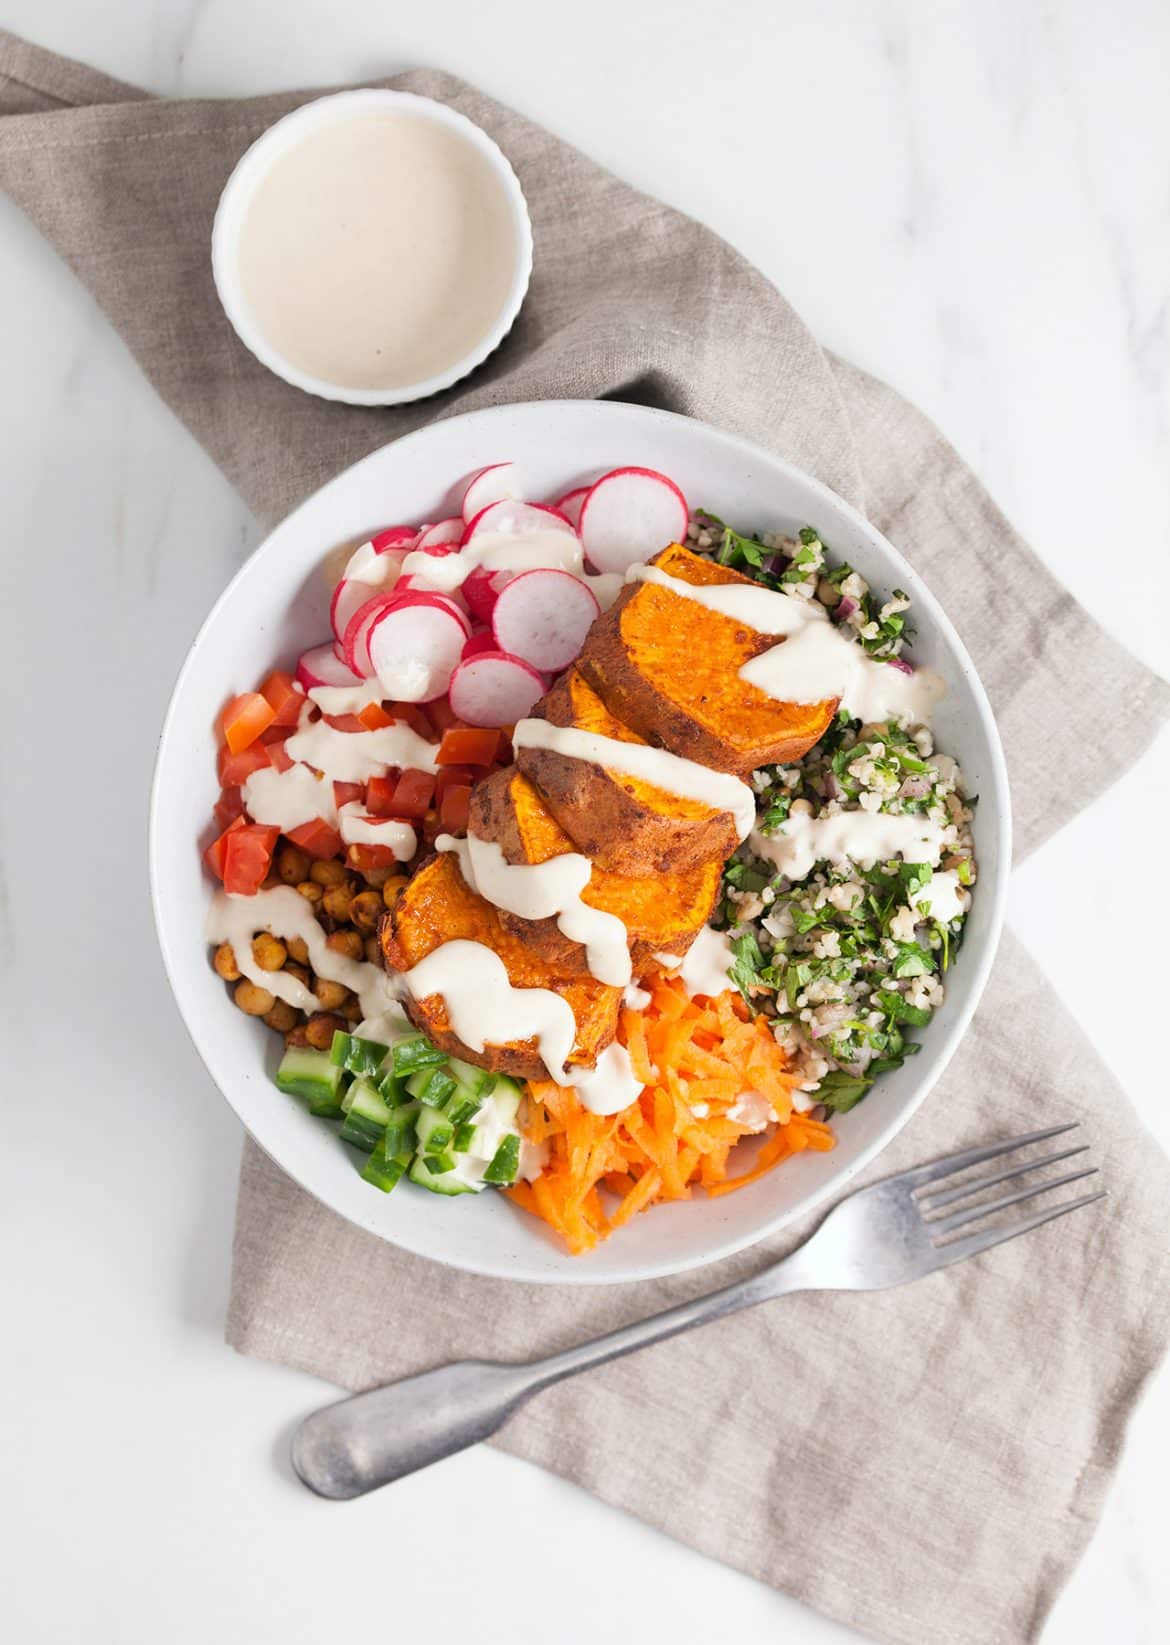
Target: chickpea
{"type": "Point", "coordinates": [366, 910]}
{"type": "Point", "coordinates": [336, 902]}
{"type": "Point", "coordinates": [328, 872]}
{"type": "Point", "coordinates": [352, 1010]}
{"type": "Point", "coordinates": [346, 942]}
{"type": "Point", "coordinates": [268, 952]}
{"type": "Point", "coordinates": [377, 877]}
{"type": "Point", "coordinates": [292, 864]}
{"type": "Point", "coordinates": [311, 892]}
{"type": "Point", "coordinates": [257, 1002]}
{"type": "Point", "coordinates": [320, 1029]}
{"type": "Point", "coordinates": [331, 995]}
{"type": "Point", "coordinates": [282, 1017]}
{"type": "Point", "coordinates": [298, 949]}
{"type": "Point", "coordinates": [225, 963]}
{"type": "Point", "coordinates": [393, 889]}
{"type": "Point", "coordinates": [296, 1037]}
{"type": "Point", "coordinates": [300, 972]}
{"type": "Point", "coordinates": [373, 951]}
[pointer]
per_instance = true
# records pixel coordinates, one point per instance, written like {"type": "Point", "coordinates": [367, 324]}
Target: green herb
{"type": "Point", "coordinates": [746, 965]}
{"type": "Point", "coordinates": [839, 1091]}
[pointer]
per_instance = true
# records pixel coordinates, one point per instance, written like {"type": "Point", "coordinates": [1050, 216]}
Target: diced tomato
{"type": "Point", "coordinates": [344, 722]}
{"type": "Point", "coordinates": [247, 857]}
{"type": "Point", "coordinates": [431, 827]}
{"type": "Point", "coordinates": [380, 796]}
{"type": "Point", "coordinates": [317, 838]}
{"type": "Point", "coordinates": [373, 717]}
{"type": "Point", "coordinates": [245, 718]}
{"type": "Point", "coordinates": [279, 757]}
{"type": "Point", "coordinates": [442, 716]}
{"type": "Point", "coordinates": [229, 806]}
{"type": "Point", "coordinates": [504, 756]}
{"type": "Point", "coordinates": [370, 856]}
{"type": "Point", "coordinates": [470, 745]}
{"type": "Point", "coordinates": [453, 808]}
{"type": "Point", "coordinates": [283, 697]}
{"type": "Point", "coordinates": [346, 793]}
{"type": "Point", "coordinates": [451, 776]}
{"type": "Point", "coordinates": [412, 715]}
{"type": "Point", "coordinates": [413, 793]}
{"type": "Point", "coordinates": [214, 855]}
{"type": "Point", "coordinates": [235, 769]}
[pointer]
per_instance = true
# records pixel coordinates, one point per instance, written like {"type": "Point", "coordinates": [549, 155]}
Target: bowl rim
{"type": "Point", "coordinates": [254, 164]}
{"type": "Point", "coordinates": [944, 1045]}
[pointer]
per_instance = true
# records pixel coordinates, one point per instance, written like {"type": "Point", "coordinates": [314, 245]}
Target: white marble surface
{"type": "Point", "coordinates": [971, 201]}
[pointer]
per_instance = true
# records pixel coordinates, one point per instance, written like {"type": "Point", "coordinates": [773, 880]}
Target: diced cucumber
{"type": "Point", "coordinates": [356, 1055]}
{"type": "Point", "coordinates": [466, 1073]}
{"type": "Point", "coordinates": [439, 1164]}
{"type": "Point", "coordinates": [304, 1072]}
{"type": "Point", "coordinates": [447, 1182]}
{"type": "Point", "coordinates": [414, 1053]}
{"type": "Point", "coordinates": [392, 1088]}
{"type": "Point", "coordinates": [367, 1116]}
{"type": "Point", "coordinates": [432, 1086]}
{"type": "Point", "coordinates": [399, 1136]}
{"type": "Point", "coordinates": [385, 1170]}
{"type": "Point", "coordinates": [505, 1162]}
{"type": "Point", "coordinates": [463, 1139]}
{"type": "Point", "coordinates": [434, 1131]}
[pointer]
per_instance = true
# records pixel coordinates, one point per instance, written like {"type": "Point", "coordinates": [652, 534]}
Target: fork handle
{"type": "Point", "coordinates": [371, 1439]}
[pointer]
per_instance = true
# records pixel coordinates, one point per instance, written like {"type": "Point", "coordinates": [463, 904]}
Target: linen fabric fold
{"type": "Point", "coordinates": [957, 1435]}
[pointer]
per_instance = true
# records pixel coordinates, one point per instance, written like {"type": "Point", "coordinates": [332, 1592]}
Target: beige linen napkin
{"type": "Point", "coordinates": [945, 1448]}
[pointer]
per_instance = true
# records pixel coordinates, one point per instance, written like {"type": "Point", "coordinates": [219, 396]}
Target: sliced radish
{"type": "Point", "coordinates": [490, 485]}
{"type": "Point", "coordinates": [414, 644]}
{"type": "Point", "coordinates": [435, 536]}
{"type": "Point", "coordinates": [485, 640]}
{"type": "Point", "coordinates": [481, 593]}
{"type": "Point", "coordinates": [511, 519]}
{"type": "Point", "coordinates": [419, 586]}
{"type": "Point", "coordinates": [394, 536]}
{"type": "Point", "coordinates": [544, 616]}
{"type": "Point", "coordinates": [355, 640]}
{"type": "Point", "coordinates": [629, 515]}
{"type": "Point", "coordinates": [570, 504]}
{"type": "Point", "coordinates": [494, 688]}
{"type": "Point", "coordinates": [321, 667]}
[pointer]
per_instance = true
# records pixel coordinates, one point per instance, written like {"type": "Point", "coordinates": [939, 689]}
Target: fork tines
{"type": "Point", "coordinates": [933, 1192]}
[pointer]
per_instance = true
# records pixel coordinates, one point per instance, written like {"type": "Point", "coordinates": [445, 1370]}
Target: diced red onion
{"type": "Point", "coordinates": [845, 607]}
{"type": "Point", "coordinates": [832, 791]}
{"type": "Point", "coordinates": [901, 665]}
{"type": "Point", "coordinates": [914, 788]}
{"type": "Point", "coordinates": [774, 565]}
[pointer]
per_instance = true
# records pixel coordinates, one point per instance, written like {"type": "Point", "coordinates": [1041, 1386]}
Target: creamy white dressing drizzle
{"type": "Point", "coordinates": [355, 756]}
{"type": "Point", "coordinates": [943, 896]}
{"type": "Point", "coordinates": [286, 799]}
{"type": "Point", "coordinates": [547, 890]}
{"type": "Point", "coordinates": [358, 828]}
{"type": "Point", "coordinates": [506, 551]}
{"type": "Point", "coordinates": [816, 661]}
{"type": "Point", "coordinates": [348, 699]}
{"type": "Point", "coordinates": [670, 772]}
{"type": "Point", "coordinates": [703, 968]}
{"type": "Point", "coordinates": [610, 1086]}
{"type": "Point", "coordinates": [285, 913]}
{"type": "Point", "coordinates": [484, 1008]}
{"type": "Point", "coordinates": [861, 837]}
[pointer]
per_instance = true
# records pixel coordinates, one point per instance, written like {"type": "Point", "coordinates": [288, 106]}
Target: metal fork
{"type": "Point", "coordinates": [884, 1235]}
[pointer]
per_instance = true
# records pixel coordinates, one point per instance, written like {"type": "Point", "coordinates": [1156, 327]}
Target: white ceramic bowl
{"type": "Point", "coordinates": [253, 167]}
{"type": "Point", "coordinates": [277, 606]}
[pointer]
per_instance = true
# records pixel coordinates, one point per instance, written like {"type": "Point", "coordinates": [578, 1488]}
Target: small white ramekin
{"type": "Point", "coordinates": [254, 166]}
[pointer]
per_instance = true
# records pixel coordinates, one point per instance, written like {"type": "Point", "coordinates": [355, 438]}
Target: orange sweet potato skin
{"type": "Point", "coordinates": [437, 907]}
{"type": "Point", "coordinates": [624, 825]}
{"type": "Point", "coordinates": [663, 913]}
{"type": "Point", "coordinates": [669, 669]}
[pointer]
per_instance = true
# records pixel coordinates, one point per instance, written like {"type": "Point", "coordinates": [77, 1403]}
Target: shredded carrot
{"type": "Point", "coordinates": [688, 1053]}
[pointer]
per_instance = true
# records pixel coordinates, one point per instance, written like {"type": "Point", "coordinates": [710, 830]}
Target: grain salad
{"type": "Point", "coordinates": [839, 937]}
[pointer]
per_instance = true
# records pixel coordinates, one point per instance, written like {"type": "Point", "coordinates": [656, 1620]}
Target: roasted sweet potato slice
{"type": "Point", "coordinates": [669, 669]}
{"type": "Point", "coordinates": [663, 913]}
{"type": "Point", "coordinates": [438, 907]}
{"type": "Point", "coordinates": [622, 823]}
